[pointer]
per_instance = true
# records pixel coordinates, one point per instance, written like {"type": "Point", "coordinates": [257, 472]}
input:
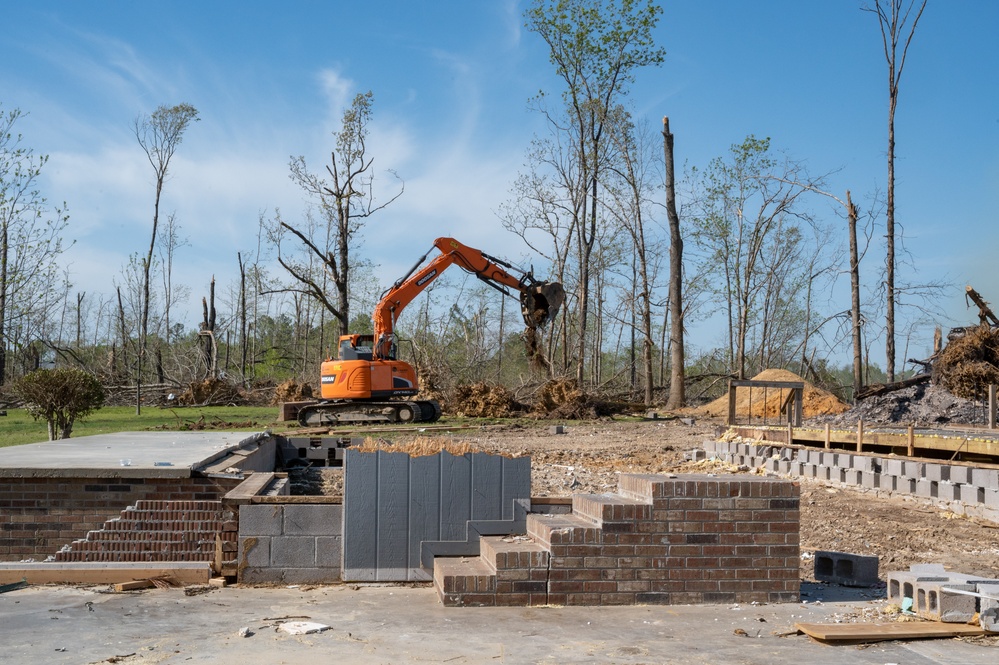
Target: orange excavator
{"type": "Point", "coordinates": [367, 384]}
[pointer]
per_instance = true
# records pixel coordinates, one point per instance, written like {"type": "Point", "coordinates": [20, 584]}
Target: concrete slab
{"type": "Point", "coordinates": [135, 454]}
{"type": "Point", "coordinates": [402, 624]}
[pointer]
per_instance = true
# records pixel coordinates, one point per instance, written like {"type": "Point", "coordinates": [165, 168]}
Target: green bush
{"type": "Point", "coordinates": [60, 396]}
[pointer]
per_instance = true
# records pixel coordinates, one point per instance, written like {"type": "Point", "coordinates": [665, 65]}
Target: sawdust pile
{"type": "Point", "coordinates": [767, 403]}
{"type": "Point", "coordinates": [484, 400]}
{"type": "Point", "coordinates": [210, 391]}
{"type": "Point", "coordinates": [969, 363]}
{"type": "Point", "coordinates": [563, 399]}
{"type": "Point", "coordinates": [291, 391]}
{"type": "Point", "coordinates": [421, 446]}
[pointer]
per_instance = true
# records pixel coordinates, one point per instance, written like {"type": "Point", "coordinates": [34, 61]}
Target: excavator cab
{"type": "Point", "coordinates": [356, 347]}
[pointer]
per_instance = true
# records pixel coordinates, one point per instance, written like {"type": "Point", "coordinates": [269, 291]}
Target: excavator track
{"type": "Point", "coordinates": [342, 412]}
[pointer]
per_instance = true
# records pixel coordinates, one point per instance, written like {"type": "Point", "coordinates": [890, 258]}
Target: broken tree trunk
{"type": "Point", "coordinates": [985, 313]}
{"type": "Point", "coordinates": [885, 388]}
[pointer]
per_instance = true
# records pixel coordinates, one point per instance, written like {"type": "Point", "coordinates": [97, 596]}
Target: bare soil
{"type": "Point", "coordinates": [589, 456]}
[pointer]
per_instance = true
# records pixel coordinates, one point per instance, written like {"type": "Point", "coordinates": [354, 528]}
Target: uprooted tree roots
{"type": "Point", "coordinates": [484, 400]}
{"type": "Point", "coordinates": [562, 398]}
{"type": "Point", "coordinates": [211, 392]}
{"type": "Point", "coordinates": [291, 391]}
{"type": "Point", "coordinates": [970, 363]}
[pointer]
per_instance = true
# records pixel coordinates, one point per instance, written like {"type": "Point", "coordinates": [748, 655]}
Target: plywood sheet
{"type": "Point", "coordinates": [877, 632]}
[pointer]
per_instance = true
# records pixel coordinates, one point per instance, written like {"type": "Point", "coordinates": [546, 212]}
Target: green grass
{"type": "Point", "coordinates": [17, 427]}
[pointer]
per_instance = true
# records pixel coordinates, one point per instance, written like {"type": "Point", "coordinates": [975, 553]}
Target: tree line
{"type": "Point", "coordinates": [740, 244]}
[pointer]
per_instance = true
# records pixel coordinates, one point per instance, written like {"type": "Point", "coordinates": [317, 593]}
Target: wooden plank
{"type": "Point", "coordinates": [132, 586]}
{"type": "Point", "coordinates": [392, 524]}
{"type": "Point", "coordinates": [188, 572]}
{"type": "Point", "coordinates": [878, 632]}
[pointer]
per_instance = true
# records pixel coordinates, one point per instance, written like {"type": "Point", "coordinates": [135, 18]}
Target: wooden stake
{"type": "Point", "coordinates": [992, 407]}
{"type": "Point", "coordinates": [860, 436]}
{"type": "Point", "coordinates": [790, 434]}
{"type": "Point", "coordinates": [828, 438]}
{"type": "Point", "coordinates": [912, 440]}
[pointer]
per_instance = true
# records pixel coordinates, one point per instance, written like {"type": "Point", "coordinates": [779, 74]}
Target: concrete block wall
{"type": "Point", "coordinates": [660, 540]}
{"type": "Point", "coordinates": [290, 543]}
{"type": "Point", "coordinates": [965, 488]}
{"type": "Point", "coordinates": [40, 515]}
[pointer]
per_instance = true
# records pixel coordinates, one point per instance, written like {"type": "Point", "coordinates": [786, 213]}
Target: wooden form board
{"type": "Point", "coordinates": [393, 503]}
{"type": "Point", "coordinates": [793, 405]}
{"type": "Point", "coordinates": [104, 573]}
{"type": "Point", "coordinates": [879, 632]}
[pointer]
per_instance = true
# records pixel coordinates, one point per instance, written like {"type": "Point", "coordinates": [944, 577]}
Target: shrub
{"type": "Point", "coordinates": [60, 396]}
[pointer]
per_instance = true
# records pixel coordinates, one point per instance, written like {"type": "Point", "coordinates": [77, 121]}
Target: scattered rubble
{"type": "Point", "coordinates": [923, 404]}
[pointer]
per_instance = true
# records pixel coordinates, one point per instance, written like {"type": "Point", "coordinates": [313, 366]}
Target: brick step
{"type": "Point", "coordinates": [144, 546]}
{"type": "Point", "coordinates": [611, 508]}
{"type": "Point", "coordinates": [466, 582]}
{"type": "Point", "coordinates": [169, 515]}
{"type": "Point", "coordinates": [502, 554]}
{"type": "Point", "coordinates": [156, 504]}
{"type": "Point", "coordinates": [547, 529]}
{"type": "Point", "coordinates": [117, 557]}
{"type": "Point", "coordinates": [169, 525]}
{"type": "Point", "coordinates": [138, 536]}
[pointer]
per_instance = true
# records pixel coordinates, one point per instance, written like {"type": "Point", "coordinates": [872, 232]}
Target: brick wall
{"type": "Point", "coordinates": [40, 515]}
{"type": "Point", "coordinates": [661, 540]}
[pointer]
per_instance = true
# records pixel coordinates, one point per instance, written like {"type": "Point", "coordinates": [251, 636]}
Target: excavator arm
{"type": "Point", "coordinates": [539, 301]}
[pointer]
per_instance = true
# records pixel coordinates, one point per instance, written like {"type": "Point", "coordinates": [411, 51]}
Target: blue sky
{"type": "Point", "coordinates": [451, 82]}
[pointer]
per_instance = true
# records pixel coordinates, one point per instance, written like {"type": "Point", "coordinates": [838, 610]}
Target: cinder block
{"type": "Point", "coordinates": [846, 569]}
{"type": "Point", "coordinates": [934, 601]}
{"type": "Point", "coordinates": [865, 463]}
{"type": "Point", "coordinates": [937, 472]}
{"type": "Point", "coordinates": [886, 481]}
{"type": "Point", "coordinates": [902, 584]}
{"type": "Point", "coordinates": [991, 499]}
{"type": "Point", "coordinates": [971, 494]}
{"type": "Point", "coordinates": [960, 474]}
{"type": "Point", "coordinates": [870, 479]}
{"type": "Point", "coordinates": [254, 551]}
{"type": "Point", "coordinates": [947, 491]}
{"type": "Point", "coordinates": [695, 455]}
{"type": "Point", "coordinates": [851, 476]}
{"type": "Point", "coordinates": [894, 467]}
{"type": "Point", "coordinates": [261, 520]}
{"type": "Point", "coordinates": [556, 429]}
{"type": "Point", "coordinates": [988, 613]}
{"type": "Point", "coordinates": [788, 454]}
{"type": "Point", "coordinates": [809, 470]}
{"type": "Point", "coordinates": [987, 478]}
{"type": "Point", "coordinates": [329, 552]}
{"type": "Point", "coordinates": [313, 520]}
{"type": "Point", "coordinates": [783, 466]}
{"type": "Point", "coordinates": [926, 488]}
{"type": "Point", "coordinates": [294, 552]}
{"type": "Point", "coordinates": [844, 460]}
{"type": "Point", "coordinates": [905, 485]}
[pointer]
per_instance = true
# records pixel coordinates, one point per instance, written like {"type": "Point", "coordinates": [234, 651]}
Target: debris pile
{"type": "Point", "coordinates": [766, 403]}
{"type": "Point", "coordinates": [291, 391]}
{"type": "Point", "coordinates": [421, 446]}
{"type": "Point", "coordinates": [211, 392]}
{"type": "Point", "coordinates": [922, 404]}
{"type": "Point", "coordinates": [484, 400]}
{"type": "Point", "coordinates": [969, 363]}
{"type": "Point", "coordinates": [563, 399]}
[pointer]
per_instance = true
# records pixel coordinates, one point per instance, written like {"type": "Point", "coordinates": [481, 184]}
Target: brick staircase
{"type": "Point", "coordinates": [159, 531]}
{"type": "Point", "coordinates": [659, 540]}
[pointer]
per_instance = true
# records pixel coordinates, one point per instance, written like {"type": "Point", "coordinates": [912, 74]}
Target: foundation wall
{"type": "Point", "coordinates": [38, 516]}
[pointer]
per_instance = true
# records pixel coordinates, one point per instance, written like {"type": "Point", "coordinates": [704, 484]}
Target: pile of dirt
{"type": "Point", "coordinates": [766, 402]}
{"type": "Point", "coordinates": [563, 399]}
{"type": "Point", "coordinates": [970, 363]}
{"type": "Point", "coordinates": [211, 392]}
{"type": "Point", "coordinates": [923, 404]}
{"type": "Point", "coordinates": [291, 391]}
{"type": "Point", "coordinates": [483, 400]}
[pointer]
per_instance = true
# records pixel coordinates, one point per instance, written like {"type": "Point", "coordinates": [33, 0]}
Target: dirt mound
{"type": "Point", "coordinates": [562, 398]}
{"type": "Point", "coordinates": [767, 402]}
{"type": "Point", "coordinates": [211, 391]}
{"type": "Point", "coordinates": [291, 391]}
{"type": "Point", "coordinates": [483, 400]}
{"type": "Point", "coordinates": [970, 363]}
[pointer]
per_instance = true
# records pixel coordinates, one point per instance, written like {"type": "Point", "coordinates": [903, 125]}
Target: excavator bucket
{"type": "Point", "coordinates": [541, 302]}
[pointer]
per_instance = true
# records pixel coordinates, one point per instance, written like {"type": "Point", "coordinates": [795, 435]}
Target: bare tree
{"type": "Point", "coordinates": [344, 203]}
{"type": "Point", "coordinates": [893, 17]}
{"type": "Point", "coordinates": [677, 391]}
{"type": "Point", "coordinates": [30, 238]}
{"type": "Point", "coordinates": [596, 48]}
{"type": "Point", "coordinates": [158, 135]}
